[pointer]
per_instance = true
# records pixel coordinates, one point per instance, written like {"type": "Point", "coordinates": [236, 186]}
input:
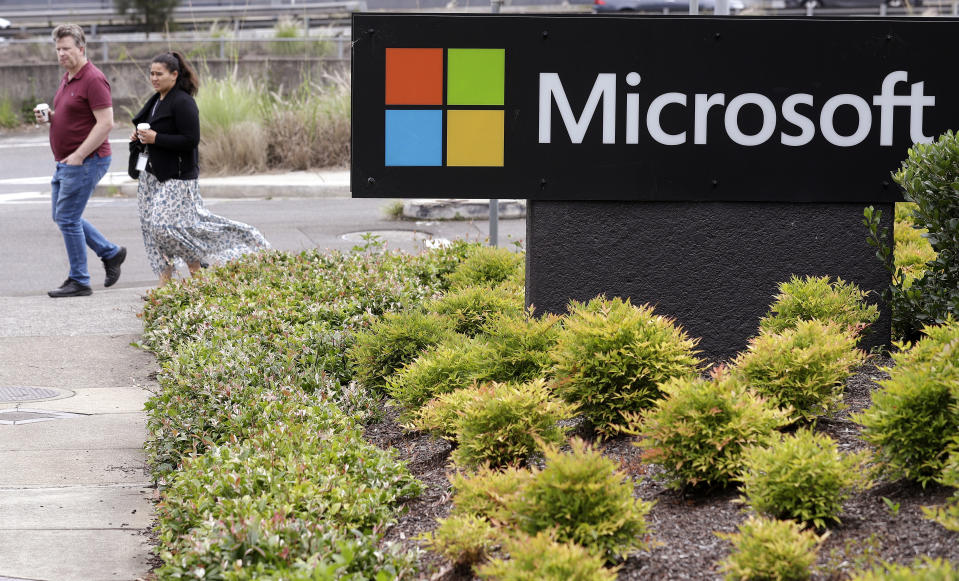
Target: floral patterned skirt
{"type": "Point", "coordinates": [177, 227]}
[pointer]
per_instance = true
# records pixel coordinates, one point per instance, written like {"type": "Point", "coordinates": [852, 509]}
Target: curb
{"type": "Point", "coordinates": [459, 209]}
{"type": "Point", "coordinates": [335, 184]}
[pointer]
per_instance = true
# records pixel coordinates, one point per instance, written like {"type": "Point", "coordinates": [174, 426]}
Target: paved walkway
{"type": "Point", "coordinates": [75, 492]}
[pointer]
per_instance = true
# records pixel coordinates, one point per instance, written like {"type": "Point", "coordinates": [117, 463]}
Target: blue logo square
{"type": "Point", "coordinates": [414, 137]}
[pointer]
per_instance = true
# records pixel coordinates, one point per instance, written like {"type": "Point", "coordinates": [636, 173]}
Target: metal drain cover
{"type": "Point", "coordinates": [15, 394]}
{"type": "Point", "coordinates": [17, 416]}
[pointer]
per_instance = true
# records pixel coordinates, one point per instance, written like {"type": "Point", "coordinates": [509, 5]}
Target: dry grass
{"type": "Point", "coordinates": [311, 128]}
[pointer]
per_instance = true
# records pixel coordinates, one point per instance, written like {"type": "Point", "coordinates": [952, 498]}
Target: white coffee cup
{"type": "Point", "coordinates": [143, 127]}
{"type": "Point", "coordinates": [44, 111]}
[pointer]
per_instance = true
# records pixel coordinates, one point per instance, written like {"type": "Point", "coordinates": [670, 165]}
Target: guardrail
{"type": "Point", "coordinates": [106, 50]}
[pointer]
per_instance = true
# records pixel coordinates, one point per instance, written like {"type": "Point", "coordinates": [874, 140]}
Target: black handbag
{"type": "Point", "coordinates": [136, 148]}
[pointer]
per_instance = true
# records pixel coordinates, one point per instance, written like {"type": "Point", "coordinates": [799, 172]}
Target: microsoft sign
{"type": "Point", "coordinates": [645, 108]}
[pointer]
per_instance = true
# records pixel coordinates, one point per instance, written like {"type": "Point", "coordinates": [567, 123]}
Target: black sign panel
{"type": "Point", "coordinates": [645, 108]}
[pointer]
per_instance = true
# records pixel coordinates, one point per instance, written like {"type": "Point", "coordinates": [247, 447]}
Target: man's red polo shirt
{"type": "Point", "coordinates": [73, 107]}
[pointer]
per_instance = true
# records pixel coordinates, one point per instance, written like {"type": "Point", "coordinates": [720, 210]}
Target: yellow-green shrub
{"type": "Point", "coordinates": [698, 432]}
{"type": "Point", "coordinates": [505, 423]}
{"type": "Point", "coordinates": [948, 515]}
{"type": "Point", "coordinates": [769, 549]}
{"type": "Point", "coordinates": [393, 341]}
{"type": "Point", "coordinates": [487, 267]}
{"type": "Point", "coordinates": [454, 364]}
{"type": "Point", "coordinates": [464, 539]}
{"type": "Point", "coordinates": [541, 558]}
{"type": "Point", "coordinates": [922, 569]}
{"type": "Point", "coordinates": [584, 498]}
{"type": "Point", "coordinates": [916, 413]}
{"type": "Point", "coordinates": [804, 299]}
{"type": "Point", "coordinates": [489, 493]}
{"type": "Point", "coordinates": [521, 345]}
{"type": "Point", "coordinates": [470, 307]}
{"type": "Point", "coordinates": [803, 367]}
{"type": "Point", "coordinates": [439, 415]}
{"type": "Point", "coordinates": [802, 477]}
{"type": "Point", "coordinates": [611, 358]}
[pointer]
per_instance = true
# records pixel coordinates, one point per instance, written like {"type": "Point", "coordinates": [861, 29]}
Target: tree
{"type": "Point", "coordinates": [151, 14]}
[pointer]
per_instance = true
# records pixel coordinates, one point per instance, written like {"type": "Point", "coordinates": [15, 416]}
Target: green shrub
{"type": "Point", "coordinates": [251, 500]}
{"type": "Point", "coordinates": [948, 515]}
{"type": "Point", "coordinates": [583, 497]}
{"type": "Point", "coordinates": [803, 367]}
{"type": "Point", "coordinates": [611, 357]}
{"type": "Point", "coordinates": [464, 539]}
{"type": "Point", "coordinates": [488, 267]}
{"type": "Point", "coordinates": [916, 412]}
{"type": "Point", "coordinates": [768, 549]}
{"type": "Point", "coordinates": [930, 178]}
{"type": "Point", "coordinates": [454, 364]}
{"type": "Point", "coordinates": [911, 250]}
{"type": "Point", "coordinates": [541, 558]}
{"type": "Point", "coordinates": [521, 346]}
{"type": "Point", "coordinates": [922, 569]}
{"type": "Point", "coordinates": [802, 477]}
{"type": "Point", "coordinates": [470, 308]}
{"type": "Point", "coordinates": [392, 342]}
{"type": "Point", "coordinates": [10, 117]}
{"type": "Point", "coordinates": [698, 432]}
{"type": "Point", "coordinates": [505, 423]}
{"type": "Point", "coordinates": [804, 299]}
{"type": "Point", "coordinates": [489, 493]}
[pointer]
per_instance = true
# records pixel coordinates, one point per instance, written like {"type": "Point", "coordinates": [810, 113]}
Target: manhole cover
{"type": "Point", "coordinates": [8, 394]}
{"type": "Point", "coordinates": [17, 416]}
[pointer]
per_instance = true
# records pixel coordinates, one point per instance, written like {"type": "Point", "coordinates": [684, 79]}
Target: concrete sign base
{"type": "Point", "coordinates": [714, 267]}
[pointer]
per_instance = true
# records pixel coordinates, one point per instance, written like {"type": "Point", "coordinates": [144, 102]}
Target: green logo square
{"type": "Point", "coordinates": [475, 76]}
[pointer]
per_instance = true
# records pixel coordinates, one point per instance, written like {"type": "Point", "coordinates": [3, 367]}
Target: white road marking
{"type": "Point", "coordinates": [25, 197]}
{"type": "Point", "coordinates": [46, 179]}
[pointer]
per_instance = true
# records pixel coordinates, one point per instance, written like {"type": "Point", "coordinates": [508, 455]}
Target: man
{"type": "Point", "coordinates": [80, 123]}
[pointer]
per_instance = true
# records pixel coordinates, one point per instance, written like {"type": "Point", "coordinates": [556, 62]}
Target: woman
{"type": "Point", "coordinates": [176, 226]}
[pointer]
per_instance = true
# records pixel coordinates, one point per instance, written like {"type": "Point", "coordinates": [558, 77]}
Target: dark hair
{"type": "Point", "coordinates": [177, 63]}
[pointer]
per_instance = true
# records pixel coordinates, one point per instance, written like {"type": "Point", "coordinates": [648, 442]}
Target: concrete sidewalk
{"type": "Point", "coordinates": [75, 491]}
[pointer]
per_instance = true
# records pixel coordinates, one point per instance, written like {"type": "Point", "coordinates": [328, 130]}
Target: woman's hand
{"type": "Point", "coordinates": [134, 136]}
{"type": "Point", "coordinates": [147, 136]}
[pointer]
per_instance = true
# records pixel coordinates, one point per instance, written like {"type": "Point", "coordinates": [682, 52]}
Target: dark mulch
{"type": "Point", "coordinates": [884, 523]}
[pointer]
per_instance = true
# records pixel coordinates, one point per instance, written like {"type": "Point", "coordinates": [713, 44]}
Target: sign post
{"type": "Point", "coordinates": [689, 162]}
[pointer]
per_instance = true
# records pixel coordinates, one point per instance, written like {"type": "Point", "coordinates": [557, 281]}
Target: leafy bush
{"type": "Point", "coordinates": [803, 367]}
{"type": "Point", "coordinates": [611, 358]}
{"type": "Point", "coordinates": [488, 267]}
{"type": "Point", "coordinates": [541, 558]}
{"type": "Point", "coordinates": [948, 515]}
{"type": "Point", "coordinates": [505, 423]}
{"type": "Point", "coordinates": [393, 341]}
{"type": "Point", "coordinates": [583, 497]}
{"type": "Point", "coordinates": [929, 177]}
{"type": "Point", "coordinates": [489, 493]}
{"type": "Point", "coordinates": [770, 549]}
{"type": "Point", "coordinates": [914, 416]}
{"type": "Point", "coordinates": [911, 250]}
{"type": "Point", "coordinates": [251, 501]}
{"type": "Point", "coordinates": [521, 345]}
{"type": "Point", "coordinates": [698, 432]}
{"type": "Point", "coordinates": [469, 308]}
{"type": "Point", "coordinates": [804, 299]}
{"type": "Point", "coordinates": [454, 364]}
{"type": "Point", "coordinates": [802, 477]}
{"type": "Point", "coordinates": [922, 569]}
{"type": "Point", "coordinates": [440, 414]}
{"type": "Point", "coordinates": [464, 539]}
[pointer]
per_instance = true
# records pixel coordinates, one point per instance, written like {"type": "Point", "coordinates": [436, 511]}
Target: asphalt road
{"type": "Point", "coordinates": [33, 259]}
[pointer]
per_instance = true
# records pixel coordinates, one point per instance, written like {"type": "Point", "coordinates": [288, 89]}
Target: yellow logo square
{"type": "Point", "coordinates": [474, 137]}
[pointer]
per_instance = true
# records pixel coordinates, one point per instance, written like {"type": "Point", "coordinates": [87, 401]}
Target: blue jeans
{"type": "Point", "coordinates": [72, 186]}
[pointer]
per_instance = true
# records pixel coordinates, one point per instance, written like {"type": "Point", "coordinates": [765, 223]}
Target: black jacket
{"type": "Point", "coordinates": [177, 123]}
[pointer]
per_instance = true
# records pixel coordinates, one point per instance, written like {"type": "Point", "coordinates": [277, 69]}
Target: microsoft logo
{"type": "Point", "coordinates": [472, 113]}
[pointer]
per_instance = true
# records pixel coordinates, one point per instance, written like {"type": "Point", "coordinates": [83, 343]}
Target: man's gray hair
{"type": "Point", "coordinates": [73, 30]}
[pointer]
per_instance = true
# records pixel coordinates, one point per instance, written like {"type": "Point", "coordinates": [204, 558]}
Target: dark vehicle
{"type": "Point", "coordinates": [664, 6]}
